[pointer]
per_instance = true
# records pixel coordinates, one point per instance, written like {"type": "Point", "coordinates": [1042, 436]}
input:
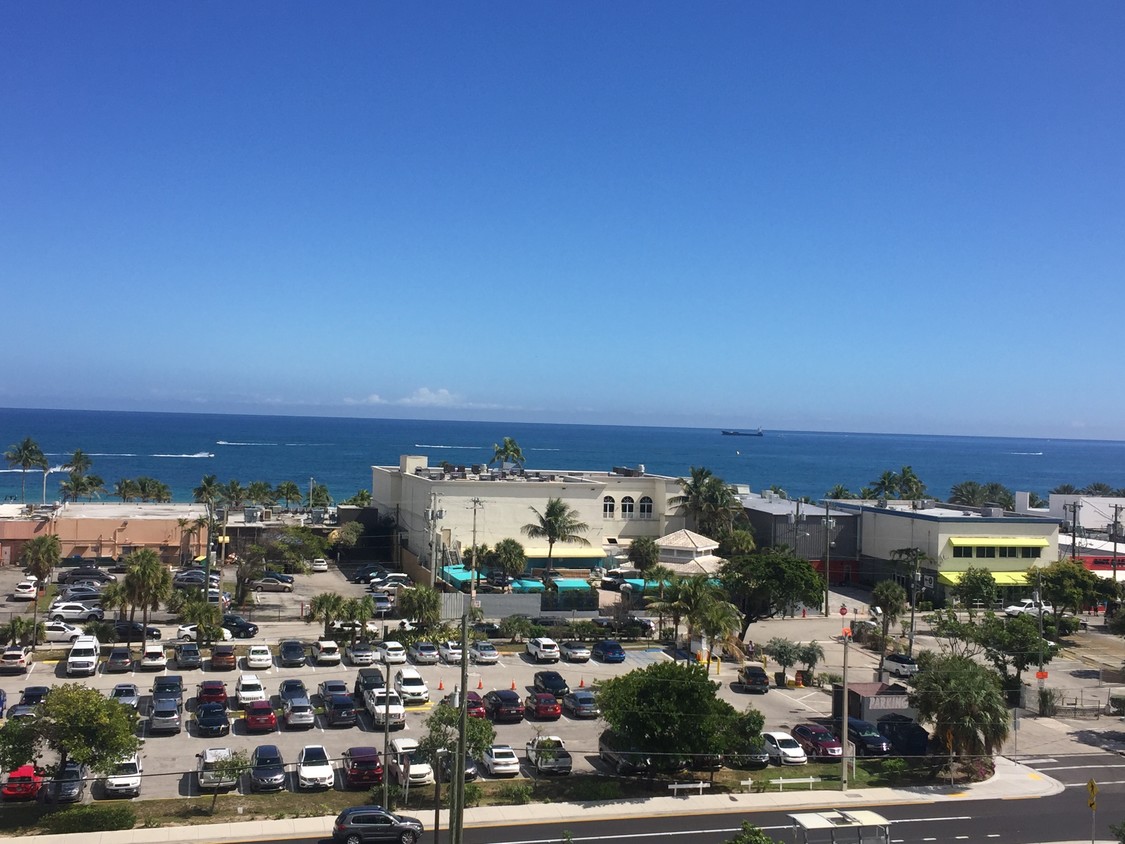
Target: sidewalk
{"type": "Point", "coordinates": [1011, 781]}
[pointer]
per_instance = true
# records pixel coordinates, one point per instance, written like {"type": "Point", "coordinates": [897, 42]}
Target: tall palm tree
{"type": "Point", "coordinates": [886, 485]}
{"type": "Point", "coordinates": [200, 523]}
{"type": "Point", "coordinates": [208, 492]}
{"type": "Point", "coordinates": [327, 606]}
{"type": "Point", "coordinates": [422, 604]}
{"type": "Point", "coordinates": [644, 554]}
{"type": "Point", "coordinates": [362, 498]}
{"type": "Point", "coordinates": [669, 602]}
{"type": "Point", "coordinates": [115, 599]}
{"type": "Point", "coordinates": [997, 493]}
{"type": "Point", "coordinates": [358, 610]}
{"type": "Point", "coordinates": [909, 484]}
{"type": "Point", "coordinates": [79, 462]}
{"type": "Point", "coordinates": [18, 630]}
{"type": "Point", "coordinates": [967, 494]}
{"type": "Point", "coordinates": [192, 607]}
{"type": "Point", "coordinates": [319, 496]}
{"type": "Point", "coordinates": [126, 489]}
{"type": "Point", "coordinates": [508, 451]}
{"type": "Point", "coordinates": [557, 523]}
{"type": "Point", "coordinates": [697, 595]}
{"type": "Point", "coordinates": [260, 492]}
{"type": "Point", "coordinates": [288, 491]}
{"type": "Point", "coordinates": [233, 494]}
{"type": "Point", "coordinates": [508, 555]}
{"type": "Point", "coordinates": [839, 493]}
{"type": "Point", "coordinates": [719, 621]}
{"type": "Point", "coordinates": [693, 495]}
{"type": "Point", "coordinates": [889, 597]}
{"type": "Point", "coordinates": [27, 455]}
{"type": "Point", "coordinates": [40, 556]}
{"type": "Point", "coordinates": [148, 581]}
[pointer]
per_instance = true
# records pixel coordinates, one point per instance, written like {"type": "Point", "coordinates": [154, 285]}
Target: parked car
{"type": "Point", "coordinates": [314, 768]}
{"type": "Point", "coordinates": [385, 708]}
{"type": "Point", "coordinates": [279, 575]}
{"type": "Point", "coordinates": [29, 701]}
{"type": "Point", "coordinates": [382, 604]}
{"type": "Point", "coordinates": [84, 573]}
{"type": "Point", "coordinates": [319, 565]}
{"type": "Point", "coordinates": [542, 706]}
{"type": "Point", "coordinates": [907, 737]}
{"type": "Point", "coordinates": [85, 654]}
{"type": "Point", "coordinates": [239, 627]}
{"type": "Point", "coordinates": [406, 763]}
{"type": "Point", "coordinates": [348, 628]}
{"type": "Point", "coordinates": [360, 653]}
{"type": "Point", "coordinates": [164, 716]}
{"type": "Point", "coordinates": [16, 659]}
{"type": "Point", "coordinates": [818, 742]}
{"type": "Point", "coordinates": [363, 824]}
{"type": "Point", "coordinates": [125, 779]}
{"type": "Point", "coordinates": [153, 657]}
{"type": "Point", "coordinates": [268, 583]}
{"type": "Point", "coordinates": [298, 713]}
{"type": "Point", "coordinates": [60, 631]}
{"type": "Point", "coordinates": [290, 689]}
{"type": "Point", "coordinates": [866, 737]}
{"type": "Point", "coordinates": [267, 768]}
{"type": "Point", "coordinates": [170, 686]}
{"type": "Point", "coordinates": [574, 652]}
{"type": "Point", "coordinates": [73, 611]}
{"type": "Point", "coordinates": [209, 773]}
{"type": "Point", "coordinates": [26, 590]}
{"type": "Point", "coordinates": [326, 652]}
{"type": "Point", "coordinates": [501, 761]}
{"type": "Point", "coordinates": [211, 691]}
{"type": "Point", "coordinates": [423, 653]}
{"type": "Point", "coordinates": [211, 720]}
{"type": "Point", "coordinates": [551, 682]}
{"type": "Point", "coordinates": [134, 631]}
{"type": "Point", "coordinates": [259, 717]}
{"type": "Point", "coordinates": [339, 711]}
{"type": "Point", "coordinates": [127, 694]}
{"type": "Point", "coordinates": [365, 572]}
{"type": "Point", "coordinates": [1029, 606]}
{"type": "Point", "coordinates": [69, 784]}
{"type": "Point", "coordinates": [503, 705]}
{"type": "Point", "coordinates": [450, 652]}
{"type": "Point", "coordinates": [784, 749]}
{"type": "Point", "coordinates": [360, 767]}
{"type": "Point", "coordinates": [120, 659]}
{"type": "Point", "coordinates": [367, 679]}
{"type": "Point", "coordinates": [188, 656]}
{"type": "Point", "coordinates": [483, 652]}
{"type": "Point", "coordinates": [753, 678]}
{"type": "Point", "coordinates": [328, 688]}
{"type": "Point", "coordinates": [291, 652]}
{"type": "Point", "coordinates": [474, 704]}
{"type": "Point", "coordinates": [223, 658]}
{"type": "Point", "coordinates": [900, 665]}
{"type": "Point", "coordinates": [411, 687]}
{"type": "Point", "coordinates": [581, 703]}
{"type": "Point", "coordinates": [607, 650]}
{"type": "Point", "coordinates": [487, 629]}
{"type": "Point", "coordinates": [249, 688]}
{"type": "Point", "coordinates": [542, 649]}
{"type": "Point", "coordinates": [259, 657]}
{"type": "Point", "coordinates": [618, 757]}
{"type": "Point", "coordinates": [391, 653]}
{"type": "Point", "coordinates": [23, 783]}
{"type": "Point", "coordinates": [190, 633]}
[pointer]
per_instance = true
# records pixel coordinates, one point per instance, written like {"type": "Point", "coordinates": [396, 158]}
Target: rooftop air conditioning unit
{"type": "Point", "coordinates": [993, 512]}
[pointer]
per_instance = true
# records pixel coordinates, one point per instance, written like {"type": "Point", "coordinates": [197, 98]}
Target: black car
{"type": "Point", "coordinates": [339, 711]}
{"type": "Point", "coordinates": [487, 629]}
{"type": "Point", "coordinates": [363, 573]}
{"type": "Point", "coordinates": [753, 678]}
{"type": "Point", "coordinates": [503, 705]}
{"type": "Point", "coordinates": [620, 760]}
{"type": "Point", "coordinates": [267, 768]}
{"type": "Point", "coordinates": [552, 682]}
{"type": "Point", "coordinates": [367, 679]}
{"type": "Point", "coordinates": [374, 823]}
{"type": "Point", "coordinates": [188, 655]}
{"type": "Point", "coordinates": [239, 627]}
{"type": "Point", "coordinates": [131, 631]}
{"type": "Point", "coordinates": [291, 652]}
{"type": "Point", "coordinates": [85, 573]}
{"type": "Point", "coordinates": [211, 720]}
{"type": "Point", "coordinates": [292, 689]}
{"type": "Point", "coordinates": [866, 737]}
{"type": "Point", "coordinates": [906, 736]}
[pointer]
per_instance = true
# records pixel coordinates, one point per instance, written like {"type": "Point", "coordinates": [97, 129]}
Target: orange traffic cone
{"type": "Point", "coordinates": [582, 683]}
{"type": "Point", "coordinates": [440, 685]}
{"type": "Point", "coordinates": [513, 685]}
{"type": "Point", "coordinates": [480, 683]}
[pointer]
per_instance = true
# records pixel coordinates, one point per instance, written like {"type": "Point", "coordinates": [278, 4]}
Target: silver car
{"type": "Point", "coordinates": [423, 653]}
{"type": "Point", "coordinates": [574, 652]}
{"type": "Point", "coordinates": [164, 717]}
{"type": "Point", "coordinates": [299, 713]}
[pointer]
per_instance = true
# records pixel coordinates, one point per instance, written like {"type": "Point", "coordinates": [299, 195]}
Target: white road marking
{"type": "Point", "coordinates": [1037, 761]}
{"type": "Point", "coordinates": [1085, 784]}
{"type": "Point", "coordinates": [1080, 767]}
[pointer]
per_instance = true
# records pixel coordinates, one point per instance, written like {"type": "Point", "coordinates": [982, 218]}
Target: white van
{"type": "Point", "coordinates": [84, 656]}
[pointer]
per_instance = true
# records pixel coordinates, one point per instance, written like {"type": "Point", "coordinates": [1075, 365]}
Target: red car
{"type": "Point", "coordinates": [542, 705]}
{"type": "Point", "coordinates": [818, 742]}
{"type": "Point", "coordinates": [23, 784]}
{"type": "Point", "coordinates": [474, 704]}
{"type": "Point", "coordinates": [211, 691]}
{"type": "Point", "coordinates": [362, 767]}
{"type": "Point", "coordinates": [260, 717]}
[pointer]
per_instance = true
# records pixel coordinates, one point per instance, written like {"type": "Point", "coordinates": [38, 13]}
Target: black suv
{"type": "Point", "coordinates": [85, 573]}
{"type": "Point", "coordinates": [503, 705]}
{"type": "Point", "coordinates": [374, 823]}
{"type": "Point", "coordinates": [552, 682]}
{"type": "Point", "coordinates": [239, 627]}
{"type": "Point", "coordinates": [867, 739]}
{"type": "Point", "coordinates": [753, 678]}
{"type": "Point", "coordinates": [131, 631]}
{"type": "Point", "coordinates": [906, 736]}
{"type": "Point", "coordinates": [367, 679]}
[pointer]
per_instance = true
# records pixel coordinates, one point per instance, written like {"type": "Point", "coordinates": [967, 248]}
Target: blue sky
{"type": "Point", "coordinates": [876, 217]}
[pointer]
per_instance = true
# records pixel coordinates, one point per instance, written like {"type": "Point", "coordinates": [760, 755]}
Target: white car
{"type": "Point", "coordinates": [423, 653]}
{"type": "Point", "coordinates": [259, 657]}
{"type": "Point", "coordinates": [542, 649]}
{"type": "Point", "coordinates": [153, 657]}
{"type": "Point", "coordinates": [60, 631]}
{"type": "Point", "coordinates": [125, 781]}
{"type": "Point", "coordinates": [319, 564]}
{"type": "Point", "coordinates": [314, 768]}
{"type": "Point", "coordinates": [326, 652]}
{"type": "Point", "coordinates": [1029, 606]}
{"type": "Point", "coordinates": [411, 687]}
{"type": "Point", "coordinates": [188, 632]}
{"type": "Point", "coordinates": [370, 628]}
{"type": "Point", "coordinates": [207, 771]}
{"type": "Point", "coordinates": [483, 652]}
{"type": "Point", "coordinates": [406, 764]}
{"type": "Point", "coordinates": [17, 658]}
{"type": "Point", "coordinates": [391, 653]}
{"type": "Point", "coordinates": [501, 761]}
{"type": "Point", "coordinates": [389, 582]}
{"type": "Point", "coordinates": [450, 652]}
{"type": "Point", "coordinates": [26, 590]}
{"type": "Point", "coordinates": [73, 611]}
{"type": "Point", "coordinates": [783, 749]}
{"type": "Point", "coordinates": [249, 688]}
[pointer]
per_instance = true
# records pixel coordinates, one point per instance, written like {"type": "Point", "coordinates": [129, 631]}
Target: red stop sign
{"type": "Point", "coordinates": [843, 610]}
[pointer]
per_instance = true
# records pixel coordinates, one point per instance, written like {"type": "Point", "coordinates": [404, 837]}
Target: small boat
{"type": "Point", "coordinates": [757, 433]}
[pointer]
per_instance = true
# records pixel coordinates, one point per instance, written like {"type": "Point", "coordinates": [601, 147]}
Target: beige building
{"type": "Point", "coordinates": [107, 529]}
{"type": "Point", "coordinates": [447, 504]}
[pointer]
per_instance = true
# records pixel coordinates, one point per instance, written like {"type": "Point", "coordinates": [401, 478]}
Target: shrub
{"type": "Point", "coordinates": [827, 678]}
{"type": "Point", "coordinates": [589, 788]}
{"type": "Point", "coordinates": [894, 767]}
{"type": "Point", "coordinates": [1049, 702]}
{"type": "Point", "coordinates": [516, 793]}
{"type": "Point", "coordinates": [91, 818]}
{"type": "Point", "coordinates": [473, 793]}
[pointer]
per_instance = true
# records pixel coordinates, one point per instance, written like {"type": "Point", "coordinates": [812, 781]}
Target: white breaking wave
{"type": "Point", "coordinates": [198, 454]}
{"type": "Point", "coordinates": [467, 447]}
{"type": "Point", "coordinates": [1026, 453]}
{"type": "Point", "coordinates": [225, 442]}
{"type": "Point", "coordinates": [52, 471]}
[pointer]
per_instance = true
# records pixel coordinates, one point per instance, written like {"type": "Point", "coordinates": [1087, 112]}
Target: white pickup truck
{"type": "Point", "coordinates": [1028, 606]}
{"type": "Point", "coordinates": [548, 755]}
{"type": "Point", "coordinates": [385, 706]}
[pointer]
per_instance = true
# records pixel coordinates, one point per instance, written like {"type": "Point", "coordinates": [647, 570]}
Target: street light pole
{"type": "Point", "coordinates": [457, 809]}
{"type": "Point", "coordinates": [917, 575]}
{"type": "Point", "coordinates": [827, 558]}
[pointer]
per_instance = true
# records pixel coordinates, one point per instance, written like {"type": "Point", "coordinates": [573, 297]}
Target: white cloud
{"type": "Point", "coordinates": [425, 397]}
{"type": "Point", "coordinates": [374, 398]}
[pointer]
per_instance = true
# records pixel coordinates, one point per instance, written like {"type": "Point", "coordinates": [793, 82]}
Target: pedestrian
{"type": "Point", "coordinates": [750, 649]}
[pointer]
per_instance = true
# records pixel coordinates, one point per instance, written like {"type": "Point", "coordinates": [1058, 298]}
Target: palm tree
{"type": "Point", "coordinates": [890, 598]}
{"type": "Point", "coordinates": [287, 491]}
{"type": "Point", "coordinates": [116, 598]}
{"type": "Point", "coordinates": [696, 596]}
{"type": "Point", "coordinates": [997, 493]}
{"type": "Point", "coordinates": [644, 554]}
{"type": "Point", "coordinates": [719, 621]}
{"type": "Point", "coordinates": [192, 607]}
{"type": "Point", "coordinates": [839, 493]}
{"type": "Point", "coordinates": [233, 494]}
{"type": "Point", "coordinates": [966, 701]}
{"type": "Point", "coordinates": [208, 492]}
{"type": "Point", "coordinates": [40, 556]}
{"type": "Point", "coordinates": [909, 484]}
{"type": "Point", "coordinates": [508, 451]}
{"type": "Point", "coordinates": [1099, 490]}
{"type": "Point", "coordinates": [362, 498]}
{"type": "Point", "coordinates": [358, 610]}
{"type": "Point", "coordinates": [693, 495]}
{"type": "Point", "coordinates": [422, 604]}
{"type": "Point", "coordinates": [319, 496]}
{"type": "Point", "coordinates": [886, 486]}
{"type": "Point", "coordinates": [1065, 489]}
{"type": "Point", "coordinates": [148, 581]}
{"type": "Point", "coordinates": [27, 455]}
{"type": "Point", "coordinates": [260, 492]}
{"type": "Point", "coordinates": [78, 463]}
{"type": "Point", "coordinates": [668, 603]}
{"type": "Point", "coordinates": [126, 489]}
{"type": "Point", "coordinates": [197, 531]}
{"type": "Point", "coordinates": [967, 494]}
{"type": "Point", "coordinates": [18, 630]}
{"type": "Point", "coordinates": [150, 489]}
{"type": "Point", "coordinates": [509, 557]}
{"type": "Point", "coordinates": [557, 523]}
{"type": "Point", "coordinates": [327, 606]}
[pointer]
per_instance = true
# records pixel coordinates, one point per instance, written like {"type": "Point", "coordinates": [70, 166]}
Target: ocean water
{"type": "Point", "coordinates": [180, 448]}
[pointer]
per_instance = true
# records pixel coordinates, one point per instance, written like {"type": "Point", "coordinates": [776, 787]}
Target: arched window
{"type": "Point", "coordinates": [608, 506]}
{"type": "Point", "coordinates": [627, 507]}
{"type": "Point", "coordinates": [646, 508]}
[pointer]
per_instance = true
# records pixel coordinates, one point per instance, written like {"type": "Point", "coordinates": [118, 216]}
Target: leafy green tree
{"type": "Point", "coordinates": [509, 557]}
{"type": "Point", "coordinates": [810, 655]}
{"type": "Point", "coordinates": [1068, 586]}
{"type": "Point", "coordinates": [345, 537]}
{"type": "Point", "coordinates": [692, 721]}
{"type": "Point", "coordinates": [442, 726]}
{"type": "Point", "coordinates": [515, 627]}
{"type": "Point", "coordinates": [231, 768]}
{"type": "Point", "coordinates": [644, 554]}
{"type": "Point", "coordinates": [292, 547]}
{"type": "Point", "coordinates": [422, 604]}
{"type": "Point", "coordinates": [750, 834]}
{"type": "Point", "coordinates": [26, 455]}
{"type": "Point", "coordinates": [557, 523]}
{"type": "Point", "coordinates": [965, 701]}
{"type": "Point", "coordinates": [40, 556]}
{"type": "Point", "coordinates": [1013, 645]}
{"type": "Point", "coordinates": [783, 651]}
{"type": "Point", "coordinates": [890, 598]}
{"type": "Point", "coordinates": [78, 724]}
{"type": "Point", "coordinates": [508, 451]}
{"type": "Point", "coordinates": [977, 585]}
{"type": "Point", "coordinates": [325, 607]}
{"type": "Point", "coordinates": [955, 637]}
{"type": "Point", "coordinates": [771, 581]}
{"type": "Point", "coordinates": [287, 491]}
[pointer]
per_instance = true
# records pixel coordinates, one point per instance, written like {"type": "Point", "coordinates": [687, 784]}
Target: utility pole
{"type": "Point", "coordinates": [1074, 508]}
{"type": "Point", "coordinates": [844, 717]}
{"type": "Point", "coordinates": [827, 558]}
{"type": "Point", "coordinates": [433, 515]}
{"type": "Point", "coordinates": [1116, 527]}
{"type": "Point", "coordinates": [457, 794]}
{"type": "Point", "coordinates": [915, 577]}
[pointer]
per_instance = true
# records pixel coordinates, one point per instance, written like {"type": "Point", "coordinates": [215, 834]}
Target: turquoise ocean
{"type": "Point", "coordinates": [180, 448]}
